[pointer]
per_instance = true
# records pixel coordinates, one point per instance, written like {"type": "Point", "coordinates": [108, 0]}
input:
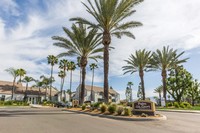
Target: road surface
{"type": "Point", "coordinates": [27, 120]}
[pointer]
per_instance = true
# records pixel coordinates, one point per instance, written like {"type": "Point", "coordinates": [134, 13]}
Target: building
{"type": "Point", "coordinates": [97, 94]}
{"type": "Point", "coordinates": [33, 93]}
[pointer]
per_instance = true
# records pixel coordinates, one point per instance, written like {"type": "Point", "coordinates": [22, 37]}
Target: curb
{"type": "Point", "coordinates": [180, 111]}
{"type": "Point", "coordinates": [119, 117]}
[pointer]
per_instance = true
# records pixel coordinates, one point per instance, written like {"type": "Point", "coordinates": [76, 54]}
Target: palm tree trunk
{"type": "Point", "coordinates": [13, 88]}
{"type": "Point", "coordinates": [159, 98]}
{"type": "Point", "coordinates": [70, 95]}
{"type": "Point", "coordinates": [25, 95]}
{"type": "Point", "coordinates": [83, 85]}
{"type": "Point", "coordinates": [164, 76]}
{"type": "Point", "coordinates": [51, 81]}
{"type": "Point", "coordinates": [61, 88]}
{"type": "Point", "coordinates": [92, 84]}
{"type": "Point", "coordinates": [106, 69]}
{"type": "Point", "coordinates": [79, 90]}
{"type": "Point", "coordinates": [142, 83]}
{"type": "Point", "coordinates": [46, 93]}
{"type": "Point", "coordinates": [106, 41]}
{"type": "Point", "coordinates": [39, 99]}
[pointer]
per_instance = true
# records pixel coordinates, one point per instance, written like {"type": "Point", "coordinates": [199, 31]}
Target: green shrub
{"type": "Point", "coordinates": [187, 105]}
{"type": "Point", "coordinates": [127, 111]}
{"type": "Point", "coordinates": [130, 104]}
{"type": "Point", "coordinates": [8, 102]}
{"type": "Point", "coordinates": [176, 105]}
{"type": "Point", "coordinates": [96, 105]}
{"type": "Point", "coordinates": [83, 107]}
{"type": "Point", "coordinates": [103, 108]}
{"type": "Point", "coordinates": [112, 108]}
{"type": "Point", "coordinates": [144, 115]}
{"type": "Point", "coordinates": [169, 104]}
{"type": "Point", "coordinates": [120, 109]}
{"type": "Point", "coordinates": [182, 105]}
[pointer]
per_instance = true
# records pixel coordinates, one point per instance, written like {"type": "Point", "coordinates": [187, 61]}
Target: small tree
{"type": "Point", "coordinates": [178, 82]}
{"type": "Point", "coordinates": [159, 91]}
{"type": "Point", "coordinates": [194, 92]}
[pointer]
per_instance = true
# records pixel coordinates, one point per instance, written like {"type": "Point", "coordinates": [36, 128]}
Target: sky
{"type": "Point", "coordinates": [26, 28]}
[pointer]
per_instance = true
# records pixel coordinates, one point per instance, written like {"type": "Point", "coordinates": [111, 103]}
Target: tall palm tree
{"type": "Point", "coordinates": [159, 91]}
{"type": "Point", "coordinates": [92, 67]}
{"type": "Point", "coordinates": [14, 73]}
{"type": "Point", "coordinates": [71, 66]}
{"type": "Point", "coordinates": [138, 62]}
{"type": "Point", "coordinates": [164, 60]}
{"type": "Point", "coordinates": [129, 84]}
{"type": "Point", "coordinates": [62, 75]}
{"type": "Point", "coordinates": [21, 72]}
{"type": "Point", "coordinates": [38, 84]}
{"type": "Point", "coordinates": [52, 60]}
{"type": "Point", "coordinates": [26, 80]}
{"type": "Point", "coordinates": [80, 43]}
{"type": "Point", "coordinates": [110, 16]}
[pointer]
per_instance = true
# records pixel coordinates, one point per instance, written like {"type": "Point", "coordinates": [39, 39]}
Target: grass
{"type": "Point", "coordinates": [173, 108]}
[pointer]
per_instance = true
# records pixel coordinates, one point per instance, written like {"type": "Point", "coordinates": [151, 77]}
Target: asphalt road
{"type": "Point", "coordinates": [57, 121]}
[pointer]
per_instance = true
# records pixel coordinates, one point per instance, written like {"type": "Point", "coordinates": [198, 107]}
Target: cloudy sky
{"type": "Point", "coordinates": [26, 28]}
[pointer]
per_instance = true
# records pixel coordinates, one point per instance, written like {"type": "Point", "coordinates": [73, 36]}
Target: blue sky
{"type": "Point", "coordinates": [26, 28]}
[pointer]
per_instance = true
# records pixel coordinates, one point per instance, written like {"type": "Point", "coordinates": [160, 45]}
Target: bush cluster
{"type": "Point", "coordinates": [14, 103]}
{"type": "Point", "coordinates": [103, 108]}
{"type": "Point", "coordinates": [127, 111]}
{"type": "Point", "coordinates": [83, 107]}
{"type": "Point", "coordinates": [112, 108]}
{"type": "Point", "coordinates": [120, 110]}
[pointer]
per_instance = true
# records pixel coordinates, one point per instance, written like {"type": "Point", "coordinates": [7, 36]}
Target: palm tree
{"type": "Point", "coordinates": [14, 73]}
{"type": "Point", "coordinates": [164, 60]}
{"type": "Point", "coordinates": [26, 80]}
{"type": "Point", "coordinates": [138, 62]}
{"type": "Point", "coordinates": [81, 44]}
{"type": "Point", "coordinates": [129, 84]}
{"type": "Point", "coordinates": [38, 84]}
{"type": "Point", "coordinates": [52, 60]}
{"type": "Point", "coordinates": [109, 16]}
{"type": "Point", "coordinates": [71, 66]}
{"type": "Point", "coordinates": [46, 82]}
{"type": "Point", "coordinates": [159, 91]}
{"type": "Point", "coordinates": [62, 75]}
{"type": "Point", "coordinates": [92, 67]}
{"type": "Point", "coordinates": [79, 65]}
{"type": "Point", "coordinates": [21, 72]}
{"type": "Point", "coordinates": [63, 66]}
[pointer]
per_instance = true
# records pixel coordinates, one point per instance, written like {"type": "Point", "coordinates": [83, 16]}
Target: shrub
{"type": "Point", "coordinates": [187, 105]}
{"type": "Point", "coordinates": [144, 115]}
{"type": "Point", "coordinates": [169, 104]}
{"type": "Point", "coordinates": [83, 107]}
{"type": "Point", "coordinates": [8, 102]}
{"type": "Point", "coordinates": [127, 111]}
{"type": "Point", "coordinates": [182, 105]}
{"type": "Point", "coordinates": [130, 104]}
{"type": "Point", "coordinates": [120, 109]}
{"type": "Point", "coordinates": [112, 108]}
{"type": "Point", "coordinates": [96, 105]}
{"type": "Point", "coordinates": [176, 105]}
{"type": "Point", "coordinates": [103, 108]}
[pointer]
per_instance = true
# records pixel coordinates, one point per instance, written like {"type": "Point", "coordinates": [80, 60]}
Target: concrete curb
{"type": "Point", "coordinates": [163, 117]}
{"type": "Point", "coordinates": [180, 111]}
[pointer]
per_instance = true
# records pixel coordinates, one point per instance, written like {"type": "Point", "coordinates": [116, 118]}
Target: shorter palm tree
{"type": "Point", "coordinates": [159, 90]}
{"type": "Point", "coordinates": [26, 80]}
{"type": "Point", "coordinates": [164, 60]}
{"type": "Point", "coordinates": [92, 67]}
{"type": "Point", "coordinates": [14, 73]}
{"type": "Point", "coordinates": [71, 66]}
{"type": "Point", "coordinates": [21, 72]}
{"type": "Point", "coordinates": [62, 75]}
{"type": "Point", "coordinates": [46, 82]}
{"type": "Point", "coordinates": [139, 62]}
{"type": "Point", "coordinates": [129, 84]}
{"type": "Point", "coordinates": [38, 84]}
{"type": "Point", "coordinates": [52, 60]}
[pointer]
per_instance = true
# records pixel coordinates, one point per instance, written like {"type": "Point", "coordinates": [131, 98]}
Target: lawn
{"type": "Point", "coordinates": [173, 108]}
